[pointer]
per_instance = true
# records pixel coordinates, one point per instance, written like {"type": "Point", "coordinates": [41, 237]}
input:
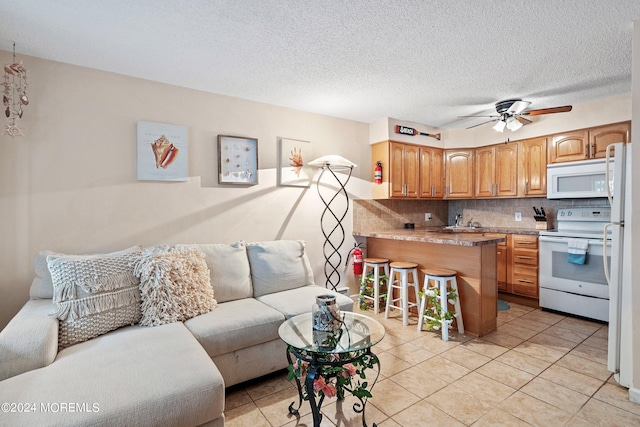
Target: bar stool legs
{"type": "Point", "coordinates": [375, 264]}
{"type": "Point", "coordinates": [441, 277]}
{"type": "Point", "coordinates": [403, 269]}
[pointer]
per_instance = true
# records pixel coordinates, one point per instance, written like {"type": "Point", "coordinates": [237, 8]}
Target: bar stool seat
{"type": "Point", "coordinates": [403, 269]}
{"type": "Point", "coordinates": [442, 277]}
{"type": "Point", "coordinates": [375, 264]}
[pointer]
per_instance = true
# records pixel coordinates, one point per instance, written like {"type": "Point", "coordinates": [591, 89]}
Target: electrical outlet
{"type": "Point", "coordinates": [427, 217]}
{"type": "Point", "coordinates": [518, 216]}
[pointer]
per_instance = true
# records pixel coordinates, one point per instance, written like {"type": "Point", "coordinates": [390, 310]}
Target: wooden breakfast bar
{"type": "Point", "coordinates": [473, 256]}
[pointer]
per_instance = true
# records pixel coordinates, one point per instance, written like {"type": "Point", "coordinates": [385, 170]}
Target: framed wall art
{"type": "Point", "coordinates": [162, 152]}
{"type": "Point", "coordinates": [292, 163]}
{"type": "Point", "coordinates": [237, 160]}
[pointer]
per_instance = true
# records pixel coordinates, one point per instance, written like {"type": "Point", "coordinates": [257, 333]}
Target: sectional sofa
{"type": "Point", "coordinates": [172, 374]}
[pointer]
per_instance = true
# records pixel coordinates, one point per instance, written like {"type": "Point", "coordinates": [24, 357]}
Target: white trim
{"type": "Point", "coordinates": [634, 394]}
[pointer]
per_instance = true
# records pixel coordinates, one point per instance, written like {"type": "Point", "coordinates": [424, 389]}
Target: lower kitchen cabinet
{"type": "Point", "coordinates": [501, 258]}
{"type": "Point", "coordinates": [524, 266]}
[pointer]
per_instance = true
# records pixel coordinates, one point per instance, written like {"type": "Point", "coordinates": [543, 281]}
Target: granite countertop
{"type": "Point", "coordinates": [503, 230]}
{"type": "Point", "coordinates": [430, 236]}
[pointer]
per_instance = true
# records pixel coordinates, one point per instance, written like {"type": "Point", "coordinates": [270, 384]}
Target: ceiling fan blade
{"type": "Point", "coordinates": [564, 109]}
{"type": "Point", "coordinates": [485, 115]}
{"type": "Point", "coordinates": [480, 124]}
{"type": "Point", "coordinates": [518, 106]}
{"type": "Point", "coordinates": [523, 120]}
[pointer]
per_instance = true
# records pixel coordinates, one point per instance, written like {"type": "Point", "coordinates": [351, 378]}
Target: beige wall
{"type": "Point", "coordinates": [70, 185]}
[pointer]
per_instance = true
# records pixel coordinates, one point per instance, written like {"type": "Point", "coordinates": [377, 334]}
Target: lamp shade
{"type": "Point", "coordinates": [513, 124]}
{"type": "Point", "coordinates": [332, 160]}
{"type": "Point", "coordinates": [500, 125]}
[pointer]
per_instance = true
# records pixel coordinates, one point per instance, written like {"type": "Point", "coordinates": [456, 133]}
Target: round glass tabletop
{"type": "Point", "coordinates": [357, 332]}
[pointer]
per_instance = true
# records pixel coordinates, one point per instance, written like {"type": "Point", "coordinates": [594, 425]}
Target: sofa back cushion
{"type": "Point", "coordinates": [229, 267]}
{"type": "Point", "coordinates": [42, 285]}
{"type": "Point", "coordinates": [278, 265]}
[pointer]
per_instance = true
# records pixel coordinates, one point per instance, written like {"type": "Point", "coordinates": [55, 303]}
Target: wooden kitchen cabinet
{"type": "Point", "coordinates": [524, 265]}
{"type": "Point", "coordinates": [431, 173]}
{"type": "Point", "coordinates": [601, 136]}
{"type": "Point", "coordinates": [569, 147]}
{"type": "Point", "coordinates": [532, 167]}
{"type": "Point", "coordinates": [400, 170]}
{"type": "Point", "coordinates": [501, 260]}
{"type": "Point", "coordinates": [496, 169]}
{"type": "Point", "coordinates": [458, 171]}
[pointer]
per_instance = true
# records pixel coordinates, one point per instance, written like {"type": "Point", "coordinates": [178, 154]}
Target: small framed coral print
{"type": "Point", "coordinates": [292, 163]}
{"type": "Point", "coordinates": [237, 160]}
{"type": "Point", "coordinates": [162, 152]}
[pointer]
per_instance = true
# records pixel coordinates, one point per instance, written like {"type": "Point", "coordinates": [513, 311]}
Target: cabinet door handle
{"type": "Point", "coordinates": [525, 281]}
{"type": "Point", "coordinates": [586, 151]}
{"type": "Point", "coordinates": [524, 243]}
{"type": "Point", "coordinates": [524, 257]}
{"type": "Point", "coordinates": [526, 188]}
{"type": "Point", "coordinates": [433, 191]}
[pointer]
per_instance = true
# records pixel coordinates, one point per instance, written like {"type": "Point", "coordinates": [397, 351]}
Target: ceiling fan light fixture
{"type": "Point", "coordinates": [500, 125]}
{"type": "Point", "coordinates": [513, 124]}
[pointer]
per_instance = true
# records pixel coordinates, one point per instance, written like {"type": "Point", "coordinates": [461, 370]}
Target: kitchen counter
{"type": "Point", "coordinates": [472, 256]}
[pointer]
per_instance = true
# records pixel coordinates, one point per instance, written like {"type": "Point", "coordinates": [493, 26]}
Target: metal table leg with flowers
{"type": "Point", "coordinates": [332, 363]}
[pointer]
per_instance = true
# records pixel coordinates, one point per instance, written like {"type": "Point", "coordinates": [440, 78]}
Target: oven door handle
{"type": "Point", "coordinates": [604, 248]}
{"type": "Point", "coordinates": [595, 242]}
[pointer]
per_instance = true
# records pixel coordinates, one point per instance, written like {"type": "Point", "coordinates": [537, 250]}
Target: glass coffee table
{"type": "Point", "coordinates": [327, 364]}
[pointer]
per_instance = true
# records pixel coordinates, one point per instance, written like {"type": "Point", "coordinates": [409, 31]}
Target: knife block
{"type": "Point", "coordinates": [542, 225]}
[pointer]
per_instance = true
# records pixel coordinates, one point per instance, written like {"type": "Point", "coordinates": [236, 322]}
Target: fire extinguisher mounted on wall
{"type": "Point", "coordinates": [377, 173]}
{"type": "Point", "coordinates": [356, 252]}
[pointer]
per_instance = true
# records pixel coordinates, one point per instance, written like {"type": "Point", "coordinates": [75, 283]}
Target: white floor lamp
{"type": "Point", "coordinates": [332, 216]}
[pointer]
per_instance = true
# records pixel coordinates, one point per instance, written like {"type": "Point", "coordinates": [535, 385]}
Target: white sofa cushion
{"type": "Point", "coordinates": [174, 284]}
{"type": "Point", "coordinates": [229, 267]}
{"type": "Point", "coordinates": [41, 286]}
{"type": "Point", "coordinates": [235, 325]}
{"type": "Point", "coordinates": [278, 266]}
{"type": "Point", "coordinates": [136, 375]}
{"type": "Point", "coordinates": [300, 300]}
{"type": "Point", "coordinates": [94, 294]}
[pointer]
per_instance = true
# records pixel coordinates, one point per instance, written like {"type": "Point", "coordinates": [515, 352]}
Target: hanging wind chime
{"type": "Point", "coordinates": [14, 95]}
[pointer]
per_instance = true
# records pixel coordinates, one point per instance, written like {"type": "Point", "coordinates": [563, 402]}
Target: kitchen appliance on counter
{"type": "Point", "coordinates": [619, 279]}
{"type": "Point", "coordinates": [571, 283]}
{"type": "Point", "coordinates": [574, 180]}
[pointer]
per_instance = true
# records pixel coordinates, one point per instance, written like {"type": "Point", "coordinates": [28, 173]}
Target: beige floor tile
{"type": "Point", "coordinates": [390, 398]}
{"type": "Point", "coordinates": [423, 414]}
{"type": "Point", "coordinates": [567, 334]}
{"type": "Point", "coordinates": [591, 353]}
{"type": "Point", "coordinates": [578, 421]}
{"type": "Point", "coordinates": [520, 309]}
{"type": "Point", "coordinates": [343, 413]}
{"type": "Point", "coordinates": [498, 417]}
{"type": "Point", "coordinates": [465, 357]}
{"type": "Point", "coordinates": [503, 339]}
{"type": "Point", "coordinates": [486, 348]}
{"type": "Point", "coordinates": [616, 395]}
{"type": "Point", "coordinates": [389, 422]}
{"type": "Point", "coordinates": [602, 414]}
{"type": "Point", "coordinates": [524, 362]}
{"type": "Point", "coordinates": [543, 317]}
{"type": "Point", "coordinates": [434, 344]}
{"type": "Point", "coordinates": [507, 375]}
{"type": "Point", "coordinates": [597, 342]}
{"type": "Point", "coordinates": [391, 365]}
{"type": "Point", "coordinates": [603, 332]}
{"type": "Point", "coordinates": [559, 396]}
{"type": "Point", "coordinates": [532, 325]}
{"type": "Point", "coordinates": [507, 316]}
{"type": "Point", "coordinates": [275, 407]}
{"type": "Point", "coordinates": [541, 352]}
{"type": "Point", "coordinates": [444, 369]}
{"type": "Point", "coordinates": [485, 389]}
{"type": "Point", "coordinates": [534, 411]}
{"type": "Point", "coordinates": [585, 366]}
{"type": "Point", "coordinates": [552, 341]}
{"type": "Point", "coordinates": [411, 353]}
{"type": "Point", "coordinates": [420, 381]}
{"type": "Point", "coordinates": [387, 343]}
{"type": "Point", "coordinates": [245, 416]}
{"type": "Point", "coordinates": [235, 398]}
{"type": "Point", "coordinates": [269, 385]}
{"type": "Point", "coordinates": [307, 421]}
{"type": "Point", "coordinates": [516, 331]}
{"type": "Point", "coordinates": [574, 380]}
{"type": "Point", "coordinates": [579, 325]}
{"type": "Point", "coordinates": [460, 404]}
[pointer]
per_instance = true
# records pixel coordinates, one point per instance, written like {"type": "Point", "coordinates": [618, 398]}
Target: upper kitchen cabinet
{"type": "Point", "coordinates": [602, 136]}
{"type": "Point", "coordinates": [587, 143]}
{"type": "Point", "coordinates": [458, 171]}
{"type": "Point", "coordinates": [496, 169]}
{"type": "Point", "coordinates": [532, 167]}
{"type": "Point", "coordinates": [431, 173]}
{"type": "Point", "coordinates": [400, 170]}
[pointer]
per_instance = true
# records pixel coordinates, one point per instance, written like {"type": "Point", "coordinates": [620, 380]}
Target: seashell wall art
{"type": "Point", "coordinates": [237, 160]}
{"type": "Point", "coordinates": [162, 152]}
{"type": "Point", "coordinates": [14, 95]}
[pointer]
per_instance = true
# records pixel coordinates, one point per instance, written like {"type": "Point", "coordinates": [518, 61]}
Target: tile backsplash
{"type": "Point", "coordinates": [371, 215]}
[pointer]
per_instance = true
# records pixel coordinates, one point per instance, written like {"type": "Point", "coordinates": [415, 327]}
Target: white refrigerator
{"type": "Point", "coordinates": [619, 274]}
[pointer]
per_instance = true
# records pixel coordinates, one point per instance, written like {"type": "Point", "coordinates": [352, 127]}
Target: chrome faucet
{"type": "Point", "coordinates": [458, 219]}
{"type": "Point", "coordinates": [470, 223]}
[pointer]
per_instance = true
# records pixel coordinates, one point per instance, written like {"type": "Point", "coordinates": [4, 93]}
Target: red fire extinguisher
{"type": "Point", "coordinates": [377, 173]}
{"type": "Point", "coordinates": [356, 252]}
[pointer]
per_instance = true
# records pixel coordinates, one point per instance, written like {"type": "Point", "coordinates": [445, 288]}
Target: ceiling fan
{"type": "Point", "coordinates": [511, 112]}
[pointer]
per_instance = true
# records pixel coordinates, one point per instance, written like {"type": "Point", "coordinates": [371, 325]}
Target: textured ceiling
{"type": "Point", "coordinates": [423, 61]}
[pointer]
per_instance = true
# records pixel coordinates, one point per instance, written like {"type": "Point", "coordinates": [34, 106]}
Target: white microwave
{"type": "Point", "coordinates": [575, 180]}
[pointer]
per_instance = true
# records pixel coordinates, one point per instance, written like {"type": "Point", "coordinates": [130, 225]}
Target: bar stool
{"type": "Point", "coordinates": [441, 276]}
{"type": "Point", "coordinates": [375, 264]}
{"type": "Point", "coordinates": [403, 269]}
